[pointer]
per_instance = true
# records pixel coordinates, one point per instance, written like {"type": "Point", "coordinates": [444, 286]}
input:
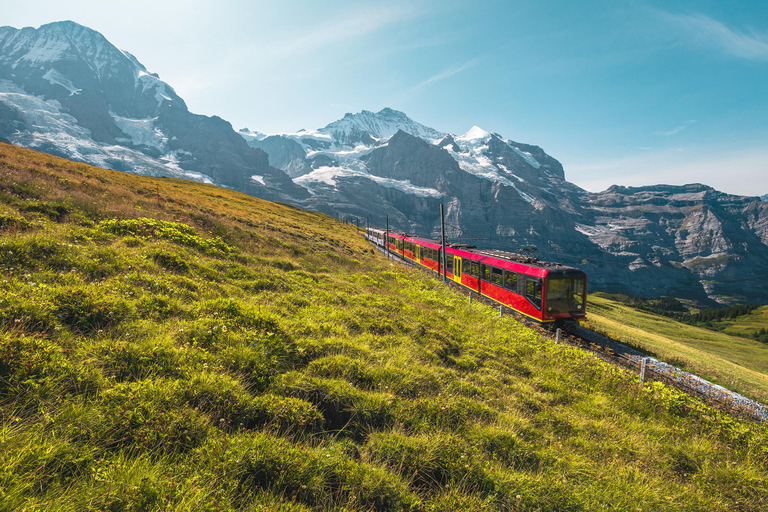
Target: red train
{"type": "Point", "coordinates": [546, 292]}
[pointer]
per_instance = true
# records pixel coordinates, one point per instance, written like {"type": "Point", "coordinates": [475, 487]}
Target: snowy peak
{"type": "Point", "coordinates": [367, 127]}
{"type": "Point", "coordinates": [475, 134]}
{"type": "Point", "coordinates": [63, 59]}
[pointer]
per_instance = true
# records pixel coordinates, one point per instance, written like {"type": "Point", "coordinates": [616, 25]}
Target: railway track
{"type": "Point", "coordinates": [615, 352]}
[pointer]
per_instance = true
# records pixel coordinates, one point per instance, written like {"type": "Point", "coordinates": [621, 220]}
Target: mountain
{"type": "Point", "coordinates": [65, 90]}
{"type": "Point", "coordinates": [690, 241]}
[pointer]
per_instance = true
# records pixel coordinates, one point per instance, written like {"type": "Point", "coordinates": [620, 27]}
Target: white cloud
{"type": "Point", "coordinates": [709, 33]}
{"type": "Point", "coordinates": [439, 77]}
{"type": "Point", "coordinates": [737, 172]}
{"type": "Point", "coordinates": [676, 130]}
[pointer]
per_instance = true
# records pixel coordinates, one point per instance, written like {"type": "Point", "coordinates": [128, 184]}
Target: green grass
{"type": "Point", "coordinates": [170, 355]}
{"type": "Point", "coordinates": [738, 363]}
{"type": "Point", "coordinates": [748, 324]}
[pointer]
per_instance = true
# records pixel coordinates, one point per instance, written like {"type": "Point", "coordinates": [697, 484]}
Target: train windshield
{"type": "Point", "coordinates": [566, 295]}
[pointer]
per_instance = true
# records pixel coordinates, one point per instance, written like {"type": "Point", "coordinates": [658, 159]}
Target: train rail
{"type": "Point", "coordinates": [616, 353]}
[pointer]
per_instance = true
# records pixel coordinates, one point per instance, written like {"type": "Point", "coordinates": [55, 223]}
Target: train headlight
{"type": "Point", "coordinates": [578, 306]}
{"type": "Point", "coordinates": [549, 309]}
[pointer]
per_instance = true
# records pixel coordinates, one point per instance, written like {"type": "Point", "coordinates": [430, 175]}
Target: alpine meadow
{"type": "Point", "coordinates": [171, 345]}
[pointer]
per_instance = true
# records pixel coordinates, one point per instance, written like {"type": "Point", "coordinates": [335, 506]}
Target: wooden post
{"type": "Point", "coordinates": [557, 336]}
{"type": "Point", "coordinates": [470, 297]}
{"type": "Point", "coordinates": [442, 237]}
{"type": "Point", "coordinates": [642, 370]}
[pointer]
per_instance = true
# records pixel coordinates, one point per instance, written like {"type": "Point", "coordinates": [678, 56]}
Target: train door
{"type": "Point", "coordinates": [457, 269]}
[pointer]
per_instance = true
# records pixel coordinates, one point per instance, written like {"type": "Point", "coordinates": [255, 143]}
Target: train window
{"type": "Point", "coordinates": [449, 263]}
{"type": "Point", "coordinates": [565, 295]}
{"type": "Point", "coordinates": [474, 269]}
{"type": "Point", "coordinates": [496, 275]}
{"type": "Point", "coordinates": [533, 291]}
{"type": "Point", "coordinates": [510, 280]}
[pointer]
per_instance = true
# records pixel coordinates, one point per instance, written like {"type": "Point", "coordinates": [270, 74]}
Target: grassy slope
{"type": "Point", "coordinates": [738, 363]}
{"type": "Point", "coordinates": [747, 324]}
{"type": "Point", "coordinates": [148, 365]}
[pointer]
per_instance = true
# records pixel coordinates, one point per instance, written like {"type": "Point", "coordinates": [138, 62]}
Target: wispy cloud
{"type": "Point", "coordinates": [678, 129]}
{"type": "Point", "coordinates": [439, 77]}
{"type": "Point", "coordinates": [710, 33]}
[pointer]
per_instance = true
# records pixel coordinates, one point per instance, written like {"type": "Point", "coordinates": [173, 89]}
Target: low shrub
{"type": "Point", "coordinates": [176, 232]}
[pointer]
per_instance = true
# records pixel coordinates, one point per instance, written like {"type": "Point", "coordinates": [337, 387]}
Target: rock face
{"type": "Point", "coordinates": [66, 90]}
{"type": "Point", "coordinates": [689, 242]}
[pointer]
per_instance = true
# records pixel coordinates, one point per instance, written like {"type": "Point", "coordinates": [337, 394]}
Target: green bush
{"type": "Point", "coordinates": [176, 232]}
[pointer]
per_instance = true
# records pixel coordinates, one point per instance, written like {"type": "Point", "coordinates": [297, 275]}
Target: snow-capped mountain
{"type": "Point", "coordinates": [65, 89]}
{"type": "Point", "coordinates": [645, 241]}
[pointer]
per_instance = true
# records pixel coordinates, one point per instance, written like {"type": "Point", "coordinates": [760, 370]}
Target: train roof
{"type": "Point", "coordinates": [553, 269]}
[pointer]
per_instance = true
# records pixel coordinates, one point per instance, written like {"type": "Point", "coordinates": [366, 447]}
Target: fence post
{"type": "Point", "coordinates": [557, 336]}
{"type": "Point", "coordinates": [642, 370]}
{"type": "Point", "coordinates": [470, 297]}
{"type": "Point", "coordinates": [501, 311]}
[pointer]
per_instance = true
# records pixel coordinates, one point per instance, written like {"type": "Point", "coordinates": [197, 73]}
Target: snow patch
{"type": "Point", "coordinates": [328, 175]}
{"type": "Point", "coordinates": [259, 179]}
{"type": "Point", "coordinates": [56, 78]}
{"type": "Point", "coordinates": [526, 156]}
{"type": "Point", "coordinates": [141, 131]}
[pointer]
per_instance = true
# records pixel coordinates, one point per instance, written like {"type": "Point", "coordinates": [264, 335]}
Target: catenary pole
{"type": "Point", "coordinates": [442, 236]}
{"type": "Point", "coordinates": [386, 238]}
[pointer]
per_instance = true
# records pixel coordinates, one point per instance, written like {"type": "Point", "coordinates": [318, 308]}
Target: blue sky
{"type": "Point", "coordinates": [621, 92]}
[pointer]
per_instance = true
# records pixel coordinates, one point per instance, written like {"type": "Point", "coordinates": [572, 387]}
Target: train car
{"type": "Point", "coordinates": [546, 292]}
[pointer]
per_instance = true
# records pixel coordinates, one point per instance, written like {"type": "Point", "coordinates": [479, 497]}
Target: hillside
{"type": "Point", "coordinates": [160, 349]}
{"type": "Point", "coordinates": [736, 362]}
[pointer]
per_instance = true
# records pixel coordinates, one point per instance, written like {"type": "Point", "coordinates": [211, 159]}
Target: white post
{"type": "Point", "coordinates": [501, 311]}
{"type": "Point", "coordinates": [642, 370]}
